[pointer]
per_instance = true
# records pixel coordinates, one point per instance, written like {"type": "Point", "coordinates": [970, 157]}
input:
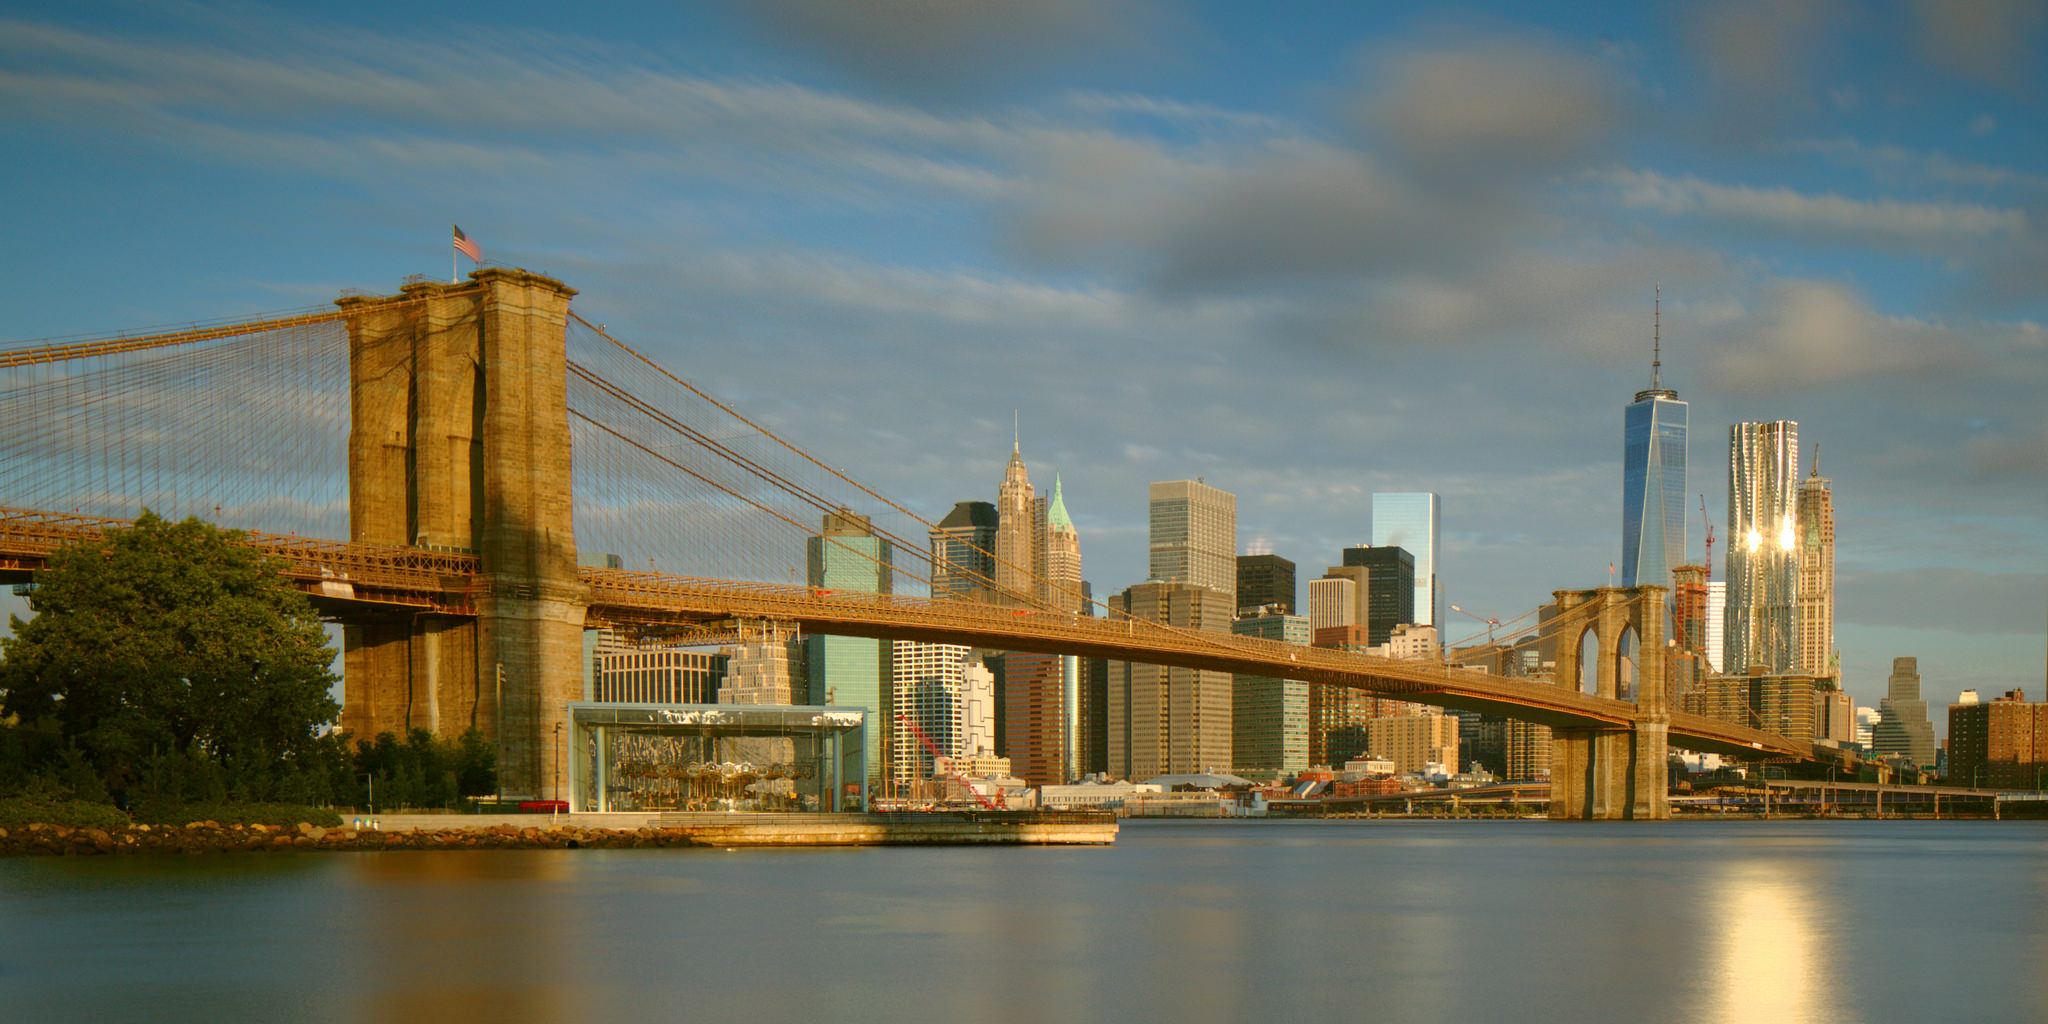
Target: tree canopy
{"type": "Point", "coordinates": [171, 640]}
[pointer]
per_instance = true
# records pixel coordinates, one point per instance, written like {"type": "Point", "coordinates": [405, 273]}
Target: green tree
{"type": "Point", "coordinates": [167, 641]}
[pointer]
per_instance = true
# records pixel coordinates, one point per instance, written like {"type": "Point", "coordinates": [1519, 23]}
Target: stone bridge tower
{"type": "Point", "coordinates": [459, 440]}
{"type": "Point", "coordinates": [1613, 774]}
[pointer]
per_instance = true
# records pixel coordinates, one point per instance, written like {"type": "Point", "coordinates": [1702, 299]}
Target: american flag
{"type": "Point", "coordinates": [464, 246]}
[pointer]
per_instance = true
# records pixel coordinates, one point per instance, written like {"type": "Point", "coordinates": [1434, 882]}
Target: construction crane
{"type": "Point", "coordinates": [1709, 524]}
{"type": "Point", "coordinates": [933, 749]}
{"type": "Point", "coordinates": [1491, 624]}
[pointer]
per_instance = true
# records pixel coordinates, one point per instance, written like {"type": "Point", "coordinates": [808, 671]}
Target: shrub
{"type": "Point", "coordinates": [21, 811]}
{"type": "Point", "coordinates": [170, 813]}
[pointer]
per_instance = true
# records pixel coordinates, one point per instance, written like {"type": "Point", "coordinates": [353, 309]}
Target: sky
{"type": "Point", "coordinates": [1304, 251]}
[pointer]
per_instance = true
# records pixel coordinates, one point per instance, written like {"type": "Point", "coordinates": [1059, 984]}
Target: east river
{"type": "Point", "coordinates": [1179, 921]}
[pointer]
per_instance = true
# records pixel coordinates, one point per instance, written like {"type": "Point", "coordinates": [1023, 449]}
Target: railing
{"type": "Point", "coordinates": [624, 595]}
{"type": "Point", "coordinates": [29, 536]}
{"type": "Point", "coordinates": [441, 578]}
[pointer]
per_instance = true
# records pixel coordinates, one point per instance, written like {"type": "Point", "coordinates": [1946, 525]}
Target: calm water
{"type": "Point", "coordinates": [1274, 921]}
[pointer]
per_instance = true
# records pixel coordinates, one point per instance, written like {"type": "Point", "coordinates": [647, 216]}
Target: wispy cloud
{"type": "Point", "coordinates": [1830, 218]}
{"type": "Point", "coordinates": [937, 53]}
{"type": "Point", "coordinates": [1896, 165]}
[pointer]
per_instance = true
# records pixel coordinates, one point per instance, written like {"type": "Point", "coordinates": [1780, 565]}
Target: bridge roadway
{"type": "Point", "coordinates": [350, 579]}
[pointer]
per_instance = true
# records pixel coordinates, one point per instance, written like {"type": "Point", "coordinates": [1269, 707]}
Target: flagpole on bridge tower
{"type": "Point", "coordinates": [466, 246]}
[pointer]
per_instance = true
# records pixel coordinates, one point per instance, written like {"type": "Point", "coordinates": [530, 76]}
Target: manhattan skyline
{"type": "Point", "coordinates": [1306, 255]}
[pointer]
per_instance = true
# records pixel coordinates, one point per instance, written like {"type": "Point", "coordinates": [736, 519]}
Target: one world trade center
{"type": "Point", "coordinates": [1653, 508]}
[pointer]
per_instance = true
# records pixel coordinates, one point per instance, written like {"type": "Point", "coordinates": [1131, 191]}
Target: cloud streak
{"type": "Point", "coordinates": [1816, 218]}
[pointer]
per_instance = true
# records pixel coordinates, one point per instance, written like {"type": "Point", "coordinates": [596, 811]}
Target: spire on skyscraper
{"type": "Point", "coordinates": [1017, 555]}
{"type": "Point", "coordinates": [1657, 388]}
{"type": "Point", "coordinates": [1657, 337]}
{"type": "Point", "coordinates": [1056, 517]}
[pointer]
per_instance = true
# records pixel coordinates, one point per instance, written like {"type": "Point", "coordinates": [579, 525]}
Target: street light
{"type": "Point", "coordinates": [370, 794]}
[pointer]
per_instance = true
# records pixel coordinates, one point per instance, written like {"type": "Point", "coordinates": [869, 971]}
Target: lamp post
{"type": "Point", "coordinates": [370, 791]}
{"type": "Point", "coordinates": [557, 795]}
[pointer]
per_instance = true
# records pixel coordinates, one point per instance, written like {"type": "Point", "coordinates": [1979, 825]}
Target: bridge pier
{"type": "Point", "coordinates": [1613, 774]}
{"type": "Point", "coordinates": [459, 439]}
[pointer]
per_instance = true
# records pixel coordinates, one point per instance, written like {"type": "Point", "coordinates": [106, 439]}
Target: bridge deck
{"type": "Point", "coordinates": [343, 575]}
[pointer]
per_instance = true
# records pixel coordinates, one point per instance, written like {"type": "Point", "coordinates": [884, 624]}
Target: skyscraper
{"type": "Point", "coordinates": [1168, 719]}
{"type": "Point", "coordinates": [1689, 625]}
{"type": "Point", "coordinates": [944, 690]}
{"type": "Point", "coordinates": [1389, 591]}
{"type": "Point", "coordinates": [1194, 535]}
{"type": "Point", "coordinates": [1815, 596]}
{"type": "Point", "coordinates": [1062, 559]}
{"type": "Point", "coordinates": [1653, 509]}
{"type": "Point", "coordinates": [765, 667]}
{"type": "Point", "coordinates": [851, 671]}
{"type": "Point", "coordinates": [1264, 581]}
{"type": "Point", "coordinates": [963, 553]}
{"type": "Point", "coordinates": [1902, 725]}
{"type": "Point", "coordinates": [1017, 547]}
{"type": "Point", "coordinates": [1269, 717]}
{"type": "Point", "coordinates": [1334, 601]}
{"type": "Point", "coordinates": [1040, 700]}
{"type": "Point", "coordinates": [1408, 520]}
{"type": "Point", "coordinates": [1715, 642]}
{"type": "Point", "coordinates": [1042, 713]}
{"type": "Point", "coordinates": [1763, 542]}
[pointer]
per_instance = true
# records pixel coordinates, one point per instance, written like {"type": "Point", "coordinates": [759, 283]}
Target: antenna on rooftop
{"type": "Point", "coordinates": [1657, 338]}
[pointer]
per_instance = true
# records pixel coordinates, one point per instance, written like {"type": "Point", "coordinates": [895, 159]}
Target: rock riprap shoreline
{"type": "Point", "coordinates": [212, 837]}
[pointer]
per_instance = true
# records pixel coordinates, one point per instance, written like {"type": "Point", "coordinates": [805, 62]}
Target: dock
{"type": "Point", "coordinates": [904, 828]}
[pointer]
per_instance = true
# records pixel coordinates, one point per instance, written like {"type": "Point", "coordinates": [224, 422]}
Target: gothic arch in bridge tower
{"type": "Point", "coordinates": [459, 440]}
{"type": "Point", "coordinates": [1588, 675]}
{"type": "Point", "coordinates": [1612, 773]}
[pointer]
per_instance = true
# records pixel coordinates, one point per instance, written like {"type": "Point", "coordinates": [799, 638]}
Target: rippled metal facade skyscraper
{"type": "Point", "coordinates": [1763, 547]}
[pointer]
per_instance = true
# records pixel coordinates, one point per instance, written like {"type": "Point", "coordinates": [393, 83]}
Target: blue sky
{"type": "Point", "coordinates": [1305, 251]}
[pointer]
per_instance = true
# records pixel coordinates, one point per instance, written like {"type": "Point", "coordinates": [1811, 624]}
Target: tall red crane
{"type": "Point", "coordinates": [1709, 524]}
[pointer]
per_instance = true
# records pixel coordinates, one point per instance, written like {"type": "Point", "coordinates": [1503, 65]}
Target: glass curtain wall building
{"type": "Point", "coordinates": [963, 553]}
{"type": "Point", "coordinates": [1653, 488]}
{"type": "Point", "coordinates": [1269, 721]}
{"type": "Point", "coordinates": [1763, 542]}
{"type": "Point", "coordinates": [1389, 589]}
{"type": "Point", "coordinates": [1409, 520]}
{"type": "Point", "coordinates": [851, 671]}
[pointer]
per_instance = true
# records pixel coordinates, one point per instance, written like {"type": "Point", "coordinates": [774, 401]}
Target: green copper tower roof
{"type": "Point", "coordinates": [1056, 515]}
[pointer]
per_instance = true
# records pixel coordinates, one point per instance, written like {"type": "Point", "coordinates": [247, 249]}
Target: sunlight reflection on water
{"type": "Point", "coordinates": [1795, 921]}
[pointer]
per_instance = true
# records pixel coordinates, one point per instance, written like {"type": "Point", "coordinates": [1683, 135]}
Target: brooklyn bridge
{"type": "Point", "coordinates": [429, 466]}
